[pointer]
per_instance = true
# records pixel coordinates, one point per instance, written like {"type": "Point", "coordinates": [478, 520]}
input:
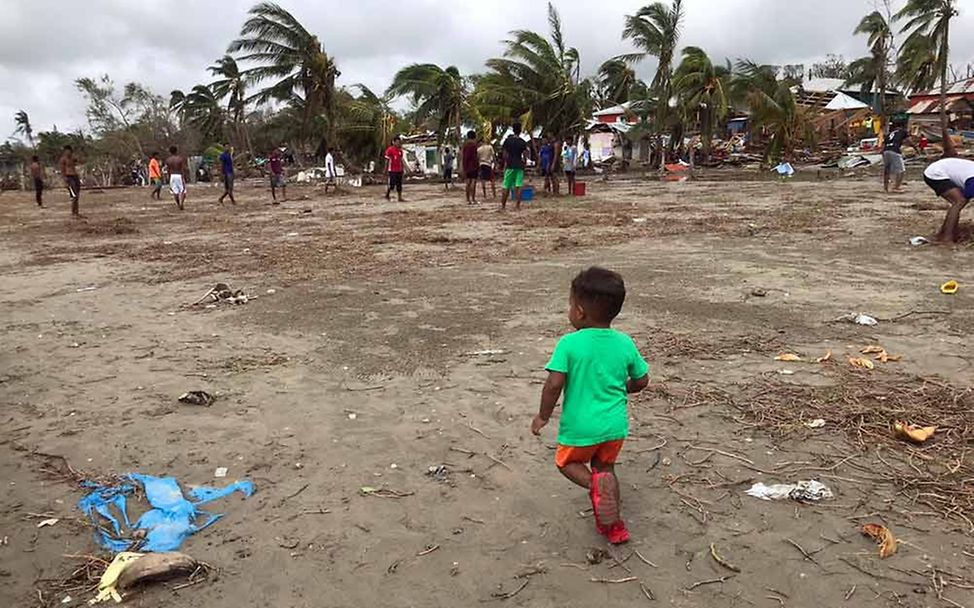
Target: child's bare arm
{"type": "Point", "coordinates": [549, 400]}
{"type": "Point", "coordinates": [636, 385]}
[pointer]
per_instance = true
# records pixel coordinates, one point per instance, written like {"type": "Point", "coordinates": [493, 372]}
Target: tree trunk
{"type": "Point", "coordinates": [949, 149]}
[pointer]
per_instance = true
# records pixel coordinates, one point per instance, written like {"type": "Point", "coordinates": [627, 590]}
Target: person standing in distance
{"type": "Point", "coordinates": [276, 163]}
{"type": "Point", "coordinates": [226, 167]}
{"type": "Point", "coordinates": [178, 176]}
{"type": "Point", "coordinates": [471, 165]}
{"type": "Point", "coordinates": [395, 167]}
{"type": "Point", "coordinates": [331, 174]}
{"type": "Point", "coordinates": [37, 176]}
{"type": "Point", "coordinates": [514, 149]}
{"type": "Point", "coordinates": [69, 173]}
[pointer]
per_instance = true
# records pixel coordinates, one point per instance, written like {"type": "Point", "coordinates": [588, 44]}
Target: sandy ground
{"type": "Point", "coordinates": [361, 369]}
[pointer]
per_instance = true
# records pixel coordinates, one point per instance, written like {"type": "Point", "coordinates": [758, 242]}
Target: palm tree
{"type": "Point", "coordinates": [873, 71]}
{"type": "Point", "coordinates": [439, 96]}
{"type": "Point", "coordinates": [780, 114]}
{"type": "Point", "coordinates": [369, 123]}
{"type": "Point", "coordinates": [538, 81]}
{"type": "Point", "coordinates": [655, 31]}
{"type": "Point", "coordinates": [616, 81]}
{"type": "Point", "coordinates": [930, 20]}
{"type": "Point", "coordinates": [232, 86]}
{"type": "Point", "coordinates": [200, 109]}
{"type": "Point", "coordinates": [704, 90]}
{"type": "Point", "coordinates": [916, 64]}
{"type": "Point", "coordinates": [24, 127]}
{"type": "Point", "coordinates": [294, 59]}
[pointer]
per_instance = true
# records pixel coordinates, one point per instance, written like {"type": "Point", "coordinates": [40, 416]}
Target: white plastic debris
{"type": "Point", "coordinates": [919, 241]}
{"type": "Point", "coordinates": [862, 319]}
{"type": "Point", "coordinates": [352, 416]}
{"type": "Point", "coordinates": [221, 472]}
{"type": "Point", "coordinates": [815, 424]}
{"type": "Point", "coordinates": [802, 491]}
{"type": "Point", "coordinates": [48, 522]}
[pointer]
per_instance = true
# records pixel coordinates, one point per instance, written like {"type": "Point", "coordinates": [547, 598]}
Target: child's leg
{"type": "Point", "coordinates": [578, 473]}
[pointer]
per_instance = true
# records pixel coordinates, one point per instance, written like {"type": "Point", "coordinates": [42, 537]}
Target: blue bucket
{"type": "Point", "coordinates": [527, 193]}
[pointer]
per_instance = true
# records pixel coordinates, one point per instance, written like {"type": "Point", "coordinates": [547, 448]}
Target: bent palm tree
{"type": "Point", "coordinates": [200, 109]}
{"type": "Point", "coordinates": [439, 95]}
{"type": "Point", "coordinates": [22, 120]}
{"type": "Point", "coordinates": [703, 89]}
{"type": "Point", "coordinates": [294, 59]}
{"type": "Point", "coordinates": [780, 114]}
{"type": "Point", "coordinates": [873, 72]}
{"type": "Point", "coordinates": [616, 81]}
{"type": "Point", "coordinates": [928, 24]}
{"type": "Point", "coordinates": [232, 86]}
{"type": "Point", "coordinates": [655, 31]}
{"type": "Point", "coordinates": [537, 80]}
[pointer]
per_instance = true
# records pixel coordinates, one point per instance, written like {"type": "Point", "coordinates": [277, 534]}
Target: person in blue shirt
{"type": "Point", "coordinates": [547, 158]}
{"type": "Point", "coordinates": [226, 167]}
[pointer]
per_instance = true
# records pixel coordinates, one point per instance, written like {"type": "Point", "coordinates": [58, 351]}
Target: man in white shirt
{"type": "Point", "coordinates": [331, 176]}
{"type": "Point", "coordinates": [952, 179]}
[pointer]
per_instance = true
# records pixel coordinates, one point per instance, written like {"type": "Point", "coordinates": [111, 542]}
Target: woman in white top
{"type": "Point", "coordinates": [952, 179]}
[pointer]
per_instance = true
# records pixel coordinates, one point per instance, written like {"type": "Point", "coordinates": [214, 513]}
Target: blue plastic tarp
{"type": "Point", "coordinates": [171, 519]}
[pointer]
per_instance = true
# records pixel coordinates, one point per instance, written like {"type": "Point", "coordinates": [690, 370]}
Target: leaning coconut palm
{"type": "Point", "coordinates": [617, 82]}
{"type": "Point", "coordinates": [286, 53]}
{"type": "Point", "coordinates": [537, 80]}
{"type": "Point", "coordinates": [916, 64]}
{"type": "Point", "coordinates": [369, 124]}
{"type": "Point", "coordinates": [928, 24]}
{"type": "Point", "coordinates": [655, 31]}
{"type": "Point", "coordinates": [201, 110]}
{"type": "Point", "coordinates": [231, 85]}
{"type": "Point", "coordinates": [703, 90]}
{"type": "Point", "coordinates": [872, 72]}
{"type": "Point", "coordinates": [440, 97]}
{"type": "Point", "coordinates": [22, 120]}
{"type": "Point", "coordinates": [779, 114]}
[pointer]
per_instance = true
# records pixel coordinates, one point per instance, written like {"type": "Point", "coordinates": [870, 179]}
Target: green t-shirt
{"type": "Point", "coordinates": [597, 364]}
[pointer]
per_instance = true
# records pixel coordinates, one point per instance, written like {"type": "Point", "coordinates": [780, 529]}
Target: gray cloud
{"type": "Point", "coordinates": [46, 44]}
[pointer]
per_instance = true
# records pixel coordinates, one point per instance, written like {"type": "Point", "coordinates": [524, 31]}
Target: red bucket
{"type": "Point", "coordinates": [579, 189]}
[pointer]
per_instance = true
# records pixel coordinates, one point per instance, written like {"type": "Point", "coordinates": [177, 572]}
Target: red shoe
{"type": "Point", "coordinates": [617, 534]}
{"type": "Point", "coordinates": [604, 492]}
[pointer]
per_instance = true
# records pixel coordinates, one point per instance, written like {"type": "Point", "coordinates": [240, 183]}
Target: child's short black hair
{"type": "Point", "coordinates": [601, 292]}
{"type": "Point", "coordinates": [173, 149]}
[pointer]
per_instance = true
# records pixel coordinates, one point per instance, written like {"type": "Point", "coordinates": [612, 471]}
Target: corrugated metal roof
{"type": "Point", "coordinates": [961, 87]}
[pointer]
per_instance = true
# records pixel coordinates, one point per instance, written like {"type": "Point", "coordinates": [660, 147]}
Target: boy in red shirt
{"type": "Point", "coordinates": [395, 168]}
{"type": "Point", "coordinates": [596, 367]}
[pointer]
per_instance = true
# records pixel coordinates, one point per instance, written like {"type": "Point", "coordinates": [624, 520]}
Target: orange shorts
{"type": "Point", "coordinates": [606, 453]}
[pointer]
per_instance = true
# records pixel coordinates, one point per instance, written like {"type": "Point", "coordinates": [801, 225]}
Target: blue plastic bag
{"type": "Point", "coordinates": [167, 524]}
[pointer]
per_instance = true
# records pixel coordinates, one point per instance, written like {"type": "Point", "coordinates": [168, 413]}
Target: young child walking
{"type": "Point", "coordinates": [596, 367]}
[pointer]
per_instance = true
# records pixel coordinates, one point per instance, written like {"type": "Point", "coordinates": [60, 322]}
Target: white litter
{"type": "Point", "coordinates": [802, 491]}
{"type": "Point", "coordinates": [83, 289]}
{"type": "Point", "coordinates": [862, 319]}
{"type": "Point", "coordinates": [487, 352]}
{"type": "Point", "coordinates": [221, 472]}
{"type": "Point", "coordinates": [815, 424]}
{"type": "Point", "coordinates": [48, 522]}
{"type": "Point", "coordinates": [918, 241]}
{"type": "Point", "coordinates": [352, 416]}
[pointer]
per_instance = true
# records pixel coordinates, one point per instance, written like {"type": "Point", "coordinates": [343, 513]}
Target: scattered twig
{"type": "Point", "coordinates": [711, 581]}
{"type": "Point", "coordinates": [292, 495]}
{"type": "Point", "coordinates": [643, 559]}
{"type": "Point", "coordinates": [498, 461]}
{"type": "Point", "coordinates": [720, 560]}
{"type": "Point", "coordinates": [652, 449]}
{"type": "Point", "coordinates": [571, 565]}
{"type": "Point", "coordinates": [473, 519]}
{"type": "Point", "coordinates": [803, 551]}
{"type": "Point", "coordinates": [614, 581]}
{"type": "Point", "coordinates": [475, 430]}
{"type": "Point", "coordinates": [722, 453]}
{"type": "Point", "coordinates": [647, 592]}
{"type": "Point", "coordinates": [495, 596]}
{"type": "Point", "coordinates": [429, 549]}
{"type": "Point", "coordinates": [850, 592]}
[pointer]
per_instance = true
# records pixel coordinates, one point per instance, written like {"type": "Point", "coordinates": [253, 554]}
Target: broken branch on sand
{"type": "Point", "coordinates": [803, 551]}
{"type": "Point", "coordinates": [711, 581]}
{"type": "Point", "coordinates": [720, 560]}
{"type": "Point", "coordinates": [644, 560]}
{"type": "Point", "coordinates": [496, 596]}
{"type": "Point", "coordinates": [647, 592]}
{"type": "Point", "coordinates": [475, 430]}
{"type": "Point", "coordinates": [722, 453]}
{"type": "Point", "coordinates": [614, 581]}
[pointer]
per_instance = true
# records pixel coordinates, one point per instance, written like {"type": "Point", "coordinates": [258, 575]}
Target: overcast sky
{"type": "Point", "coordinates": [46, 44]}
